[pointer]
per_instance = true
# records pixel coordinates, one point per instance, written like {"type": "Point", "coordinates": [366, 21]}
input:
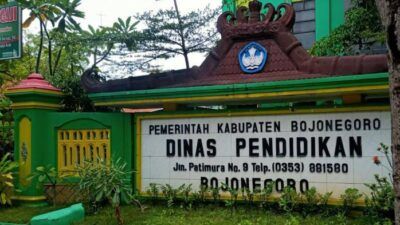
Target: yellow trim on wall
{"type": "Point", "coordinates": [30, 105]}
{"type": "Point", "coordinates": [29, 198]}
{"type": "Point", "coordinates": [138, 154]}
{"type": "Point", "coordinates": [253, 96]}
{"type": "Point", "coordinates": [33, 90]}
{"type": "Point", "coordinates": [25, 150]}
{"type": "Point", "coordinates": [139, 119]}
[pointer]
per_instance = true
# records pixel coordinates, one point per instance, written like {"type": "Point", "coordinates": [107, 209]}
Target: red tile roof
{"type": "Point", "coordinates": [287, 59]}
{"type": "Point", "coordinates": [34, 81]}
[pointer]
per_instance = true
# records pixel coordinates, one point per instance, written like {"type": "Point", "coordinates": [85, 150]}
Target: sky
{"type": "Point", "coordinates": [106, 12]}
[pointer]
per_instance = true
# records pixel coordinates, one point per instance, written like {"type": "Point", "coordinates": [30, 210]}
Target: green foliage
{"type": "Point", "coordinates": [233, 196]}
{"type": "Point", "coordinates": [340, 219]}
{"type": "Point", "coordinates": [315, 201]}
{"type": "Point", "coordinates": [7, 188]}
{"type": "Point", "coordinates": [388, 155]}
{"type": "Point", "coordinates": [127, 32]}
{"type": "Point", "coordinates": [12, 71]}
{"type": "Point", "coordinates": [171, 194]}
{"type": "Point", "coordinates": [289, 199]}
{"type": "Point", "coordinates": [168, 33]}
{"type": "Point", "coordinates": [200, 195]}
{"type": "Point", "coordinates": [213, 215]}
{"type": "Point", "coordinates": [382, 196]}
{"type": "Point", "coordinates": [56, 18]}
{"type": "Point", "coordinates": [266, 193]}
{"type": "Point", "coordinates": [215, 194]}
{"type": "Point", "coordinates": [292, 203]}
{"type": "Point", "coordinates": [61, 50]}
{"type": "Point", "coordinates": [47, 175]}
{"type": "Point", "coordinates": [186, 194]}
{"type": "Point", "coordinates": [380, 201]}
{"type": "Point", "coordinates": [362, 29]}
{"type": "Point", "coordinates": [292, 221]}
{"type": "Point", "coordinates": [6, 127]}
{"type": "Point", "coordinates": [153, 191]}
{"type": "Point", "coordinates": [350, 197]}
{"type": "Point", "coordinates": [384, 222]}
{"type": "Point", "coordinates": [75, 97]}
{"type": "Point", "coordinates": [102, 182]}
{"type": "Point", "coordinates": [248, 195]}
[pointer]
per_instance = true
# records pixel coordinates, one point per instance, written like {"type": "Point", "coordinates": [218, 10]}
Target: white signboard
{"type": "Point", "coordinates": [331, 151]}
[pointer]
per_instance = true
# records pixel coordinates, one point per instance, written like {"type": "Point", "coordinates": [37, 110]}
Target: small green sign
{"type": "Point", "coordinates": [10, 31]}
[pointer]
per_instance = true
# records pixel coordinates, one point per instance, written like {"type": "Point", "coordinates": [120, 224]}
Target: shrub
{"type": "Point", "coordinates": [102, 182]}
{"type": "Point", "coordinates": [7, 188]}
{"type": "Point", "coordinates": [215, 194]}
{"type": "Point", "coordinates": [247, 195]}
{"type": "Point", "coordinates": [186, 194]}
{"type": "Point", "coordinates": [47, 174]}
{"type": "Point", "coordinates": [233, 196]}
{"type": "Point", "coordinates": [314, 201]}
{"type": "Point", "coordinates": [381, 197]}
{"type": "Point", "coordinates": [201, 194]}
{"type": "Point", "coordinates": [266, 193]}
{"type": "Point", "coordinates": [388, 155]}
{"type": "Point", "coordinates": [289, 199]}
{"type": "Point", "coordinates": [171, 194]}
{"type": "Point", "coordinates": [349, 198]}
{"type": "Point", "coordinates": [153, 191]}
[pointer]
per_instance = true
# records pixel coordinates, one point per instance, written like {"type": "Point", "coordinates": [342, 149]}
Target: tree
{"type": "Point", "coordinates": [114, 46]}
{"type": "Point", "coordinates": [170, 33]}
{"type": "Point", "coordinates": [361, 30]}
{"type": "Point", "coordinates": [66, 48]}
{"type": "Point", "coordinates": [389, 11]}
{"type": "Point", "coordinates": [61, 14]}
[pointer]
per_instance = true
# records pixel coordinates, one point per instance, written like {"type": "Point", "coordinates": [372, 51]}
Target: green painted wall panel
{"type": "Point", "coordinates": [329, 14]}
{"type": "Point", "coordinates": [45, 124]}
{"type": "Point", "coordinates": [337, 11]}
{"type": "Point", "coordinates": [40, 137]}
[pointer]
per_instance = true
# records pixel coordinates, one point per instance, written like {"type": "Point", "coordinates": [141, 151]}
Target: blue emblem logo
{"type": "Point", "coordinates": [252, 58]}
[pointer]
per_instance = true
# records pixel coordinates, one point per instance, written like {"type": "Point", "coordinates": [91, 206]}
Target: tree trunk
{"type": "Point", "coordinates": [39, 56]}
{"type": "Point", "coordinates": [390, 16]}
{"type": "Point", "coordinates": [49, 49]}
{"type": "Point", "coordinates": [182, 36]}
{"type": "Point", "coordinates": [186, 56]}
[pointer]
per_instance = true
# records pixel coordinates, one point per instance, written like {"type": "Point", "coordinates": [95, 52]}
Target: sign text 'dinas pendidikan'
{"type": "Point", "coordinates": [331, 152]}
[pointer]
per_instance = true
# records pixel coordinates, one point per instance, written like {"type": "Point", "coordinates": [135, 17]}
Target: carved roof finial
{"type": "Point", "coordinates": [255, 8]}
{"type": "Point", "coordinates": [248, 22]}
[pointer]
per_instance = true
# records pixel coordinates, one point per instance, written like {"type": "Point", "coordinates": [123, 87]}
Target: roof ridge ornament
{"type": "Point", "coordinates": [249, 21]}
{"type": "Point", "coordinates": [252, 58]}
{"type": "Point", "coordinates": [255, 11]}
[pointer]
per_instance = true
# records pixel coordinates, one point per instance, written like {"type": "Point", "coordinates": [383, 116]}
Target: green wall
{"type": "Point", "coordinates": [45, 124]}
{"type": "Point", "coordinates": [230, 4]}
{"type": "Point", "coordinates": [329, 14]}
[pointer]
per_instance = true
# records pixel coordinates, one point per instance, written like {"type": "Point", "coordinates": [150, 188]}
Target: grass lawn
{"type": "Point", "coordinates": [210, 215]}
{"type": "Point", "coordinates": [22, 214]}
